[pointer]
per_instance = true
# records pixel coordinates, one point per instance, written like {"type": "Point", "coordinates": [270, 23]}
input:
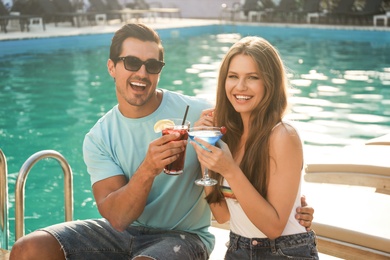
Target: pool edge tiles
{"type": "Point", "coordinates": [46, 44]}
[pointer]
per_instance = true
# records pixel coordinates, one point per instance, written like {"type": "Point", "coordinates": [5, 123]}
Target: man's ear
{"type": "Point", "coordinates": [111, 68]}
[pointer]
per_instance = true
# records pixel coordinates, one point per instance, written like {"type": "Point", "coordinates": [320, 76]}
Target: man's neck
{"type": "Point", "coordinates": [148, 108]}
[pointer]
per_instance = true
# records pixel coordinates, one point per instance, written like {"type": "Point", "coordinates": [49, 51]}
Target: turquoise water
{"type": "Point", "coordinates": [53, 90]}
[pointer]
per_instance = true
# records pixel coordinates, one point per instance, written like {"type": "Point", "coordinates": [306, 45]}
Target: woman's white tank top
{"type": "Point", "coordinates": [240, 223]}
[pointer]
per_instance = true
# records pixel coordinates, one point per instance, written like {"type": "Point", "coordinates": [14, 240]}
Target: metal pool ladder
{"type": "Point", "coordinates": [3, 202]}
{"type": "Point", "coordinates": [20, 184]}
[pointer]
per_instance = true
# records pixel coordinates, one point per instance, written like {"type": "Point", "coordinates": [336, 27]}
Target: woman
{"type": "Point", "coordinates": [260, 160]}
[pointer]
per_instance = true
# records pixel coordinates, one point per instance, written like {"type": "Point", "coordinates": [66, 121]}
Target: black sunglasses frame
{"type": "Point", "coordinates": [140, 62]}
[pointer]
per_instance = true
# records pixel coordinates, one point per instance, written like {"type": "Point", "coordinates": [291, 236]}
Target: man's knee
{"type": "Point", "coordinates": [37, 245]}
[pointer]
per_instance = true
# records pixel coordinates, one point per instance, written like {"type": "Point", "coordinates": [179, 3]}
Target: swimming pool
{"type": "Point", "coordinates": [53, 90]}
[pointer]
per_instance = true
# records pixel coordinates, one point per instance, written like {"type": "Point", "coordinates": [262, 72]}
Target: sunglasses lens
{"type": "Point", "coordinates": [153, 66]}
{"type": "Point", "coordinates": [132, 63]}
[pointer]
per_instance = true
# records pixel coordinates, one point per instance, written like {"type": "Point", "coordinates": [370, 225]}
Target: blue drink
{"type": "Point", "coordinates": [210, 135]}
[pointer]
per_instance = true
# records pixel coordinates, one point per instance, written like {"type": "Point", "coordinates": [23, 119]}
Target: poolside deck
{"type": "Point", "coordinates": [330, 201]}
{"type": "Point", "coordinates": [65, 29]}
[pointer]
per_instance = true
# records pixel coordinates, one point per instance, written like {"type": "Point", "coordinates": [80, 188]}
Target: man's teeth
{"type": "Point", "coordinates": [242, 97]}
{"type": "Point", "coordinates": [138, 84]}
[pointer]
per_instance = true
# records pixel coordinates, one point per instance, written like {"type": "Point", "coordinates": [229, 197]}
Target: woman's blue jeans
{"type": "Point", "coordinates": [297, 246]}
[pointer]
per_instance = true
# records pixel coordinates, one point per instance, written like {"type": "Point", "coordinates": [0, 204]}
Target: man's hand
{"type": "Point", "coordinates": [206, 118]}
{"type": "Point", "coordinates": [162, 151]}
{"type": "Point", "coordinates": [305, 214]}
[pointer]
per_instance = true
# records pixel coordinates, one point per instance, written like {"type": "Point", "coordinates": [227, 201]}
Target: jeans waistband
{"type": "Point", "coordinates": [282, 241]}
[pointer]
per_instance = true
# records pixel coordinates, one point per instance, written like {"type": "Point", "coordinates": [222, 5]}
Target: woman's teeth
{"type": "Point", "coordinates": [241, 97]}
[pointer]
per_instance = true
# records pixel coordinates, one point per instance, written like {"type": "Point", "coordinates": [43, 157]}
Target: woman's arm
{"type": "Point", "coordinates": [270, 216]}
{"type": "Point", "coordinates": [286, 160]}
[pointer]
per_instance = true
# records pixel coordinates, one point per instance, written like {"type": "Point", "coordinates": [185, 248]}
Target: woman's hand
{"type": "Point", "coordinates": [218, 159]}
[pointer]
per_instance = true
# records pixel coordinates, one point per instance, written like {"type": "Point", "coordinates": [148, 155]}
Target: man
{"type": "Point", "coordinates": [146, 213]}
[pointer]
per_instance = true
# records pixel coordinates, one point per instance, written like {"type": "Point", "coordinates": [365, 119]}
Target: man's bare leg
{"type": "Point", "coordinates": [37, 245]}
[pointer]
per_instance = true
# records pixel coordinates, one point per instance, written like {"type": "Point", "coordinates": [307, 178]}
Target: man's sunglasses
{"type": "Point", "coordinates": [132, 63]}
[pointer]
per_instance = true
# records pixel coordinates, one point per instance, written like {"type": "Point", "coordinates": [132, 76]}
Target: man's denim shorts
{"type": "Point", "coordinates": [96, 239]}
{"type": "Point", "coordinates": [297, 246]}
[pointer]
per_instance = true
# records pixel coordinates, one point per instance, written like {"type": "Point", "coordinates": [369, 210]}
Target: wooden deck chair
{"type": "Point", "coordinates": [363, 165]}
{"type": "Point", "coordinates": [350, 174]}
{"type": "Point", "coordinates": [349, 244]}
{"type": "Point", "coordinates": [358, 165]}
{"type": "Point", "coordinates": [381, 140]}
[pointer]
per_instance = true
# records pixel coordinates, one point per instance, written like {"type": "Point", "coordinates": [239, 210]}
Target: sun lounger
{"type": "Point", "coordinates": [55, 11]}
{"type": "Point", "coordinates": [23, 19]}
{"type": "Point", "coordinates": [371, 8]}
{"type": "Point", "coordinates": [351, 221]}
{"type": "Point", "coordinates": [363, 165]}
{"type": "Point", "coordinates": [349, 244]}
{"type": "Point", "coordinates": [127, 14]}
{"type": "Point", "coordinates": [23, 22]}
{"type": "Point", "coordinates": [110, 9]}
{"type": "Point", "coordinates": [159, 11]}
{"type": "Point", "coordinates": [381, 140]}
{"type": "Point", "coordinates": [350, 174]}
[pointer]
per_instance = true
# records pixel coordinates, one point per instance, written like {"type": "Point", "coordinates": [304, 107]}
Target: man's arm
{"type": "Point", "coordinates": [305, 214]}
{"type": "Point", "coordinates": [122, 202]}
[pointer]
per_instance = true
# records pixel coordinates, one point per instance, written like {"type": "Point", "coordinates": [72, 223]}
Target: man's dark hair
{"type": "Point", "coordinates": [137, 31]}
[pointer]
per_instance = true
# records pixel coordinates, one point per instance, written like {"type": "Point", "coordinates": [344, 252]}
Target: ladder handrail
{"type": "Point", "coordinates": [21, 181]}
{"type": "Point", "coordinates": [3, 201]}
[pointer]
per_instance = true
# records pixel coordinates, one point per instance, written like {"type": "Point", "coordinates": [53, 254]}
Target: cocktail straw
{"type": "Point", "coordinates": [185, 115]}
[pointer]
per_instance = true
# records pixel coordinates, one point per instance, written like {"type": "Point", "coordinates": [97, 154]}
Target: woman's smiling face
{"type": "Point", "coordinates": [244, 85]}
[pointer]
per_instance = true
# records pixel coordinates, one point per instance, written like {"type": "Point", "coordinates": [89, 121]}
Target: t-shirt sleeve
{"type": "Point", "coordinates": [99, 160]}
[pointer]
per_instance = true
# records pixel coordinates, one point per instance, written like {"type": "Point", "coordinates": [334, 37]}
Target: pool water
{"type": "Point", "coordinates": [52, 91]}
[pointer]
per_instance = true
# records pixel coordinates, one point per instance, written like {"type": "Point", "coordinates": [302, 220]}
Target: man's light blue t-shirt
{"type": "Point", "coordinates": [117, 145]}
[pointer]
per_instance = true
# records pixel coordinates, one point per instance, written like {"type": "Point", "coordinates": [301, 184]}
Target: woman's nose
{"type": "Point", "coordinates": [241, 84]}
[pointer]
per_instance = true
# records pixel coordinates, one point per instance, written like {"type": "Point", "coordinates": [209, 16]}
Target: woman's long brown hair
{"type": "Point", "coordinates": [269, 112]}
